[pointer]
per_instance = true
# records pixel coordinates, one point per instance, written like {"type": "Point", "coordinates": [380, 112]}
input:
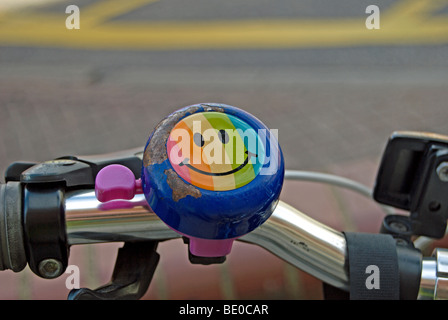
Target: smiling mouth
{"type": "Point", "coordinates": [249, 155]}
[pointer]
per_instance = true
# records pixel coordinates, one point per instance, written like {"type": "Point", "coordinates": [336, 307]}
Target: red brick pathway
{"type": "Point", "coordinates": [337, 129]}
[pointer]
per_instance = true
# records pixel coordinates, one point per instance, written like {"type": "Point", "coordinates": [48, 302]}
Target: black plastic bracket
{"type": "Point", "coordinates": [429, 208]}
{"type": "Point", "coordinates": [72, 171]}
{"type": "Point", "coordinates": [134, 269]}
{"type": "Point", "coordinates": [409, 178]}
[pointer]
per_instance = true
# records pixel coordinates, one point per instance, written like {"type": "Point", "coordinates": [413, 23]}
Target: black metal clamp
{"type": "Point", "coordinates": [44, 230]}
{"type": "Point", "coordinates": [42, 188]}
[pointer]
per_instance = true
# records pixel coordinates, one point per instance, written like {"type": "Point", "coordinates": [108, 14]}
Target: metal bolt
{"type": "Point", "coordinates": [50, 268]}
{"type": "Point", "coordinates": [442, 171]}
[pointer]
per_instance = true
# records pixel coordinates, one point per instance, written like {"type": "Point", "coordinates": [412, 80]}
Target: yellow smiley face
{"type": "Point", "coordinates": [215, 151]}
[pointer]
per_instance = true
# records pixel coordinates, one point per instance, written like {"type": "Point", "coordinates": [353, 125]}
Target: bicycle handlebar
{"type": "Point", "coordinates": [307, 244]}
{"type": "Point", "coordinates": [288, 233]}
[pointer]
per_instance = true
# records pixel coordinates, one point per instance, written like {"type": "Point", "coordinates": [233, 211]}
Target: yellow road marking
{"type": "Point", "coordinates": [409, 22]}
{"type": "Point", "coordinates": [106, 9]}
{"type": "Point", "coordinates": [413, 9]}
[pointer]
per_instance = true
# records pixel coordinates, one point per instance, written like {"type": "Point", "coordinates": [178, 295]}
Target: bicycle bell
{"type": "Point", "coordinates": [213, 173]}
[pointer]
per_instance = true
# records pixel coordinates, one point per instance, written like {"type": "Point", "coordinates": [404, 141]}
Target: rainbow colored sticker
{"type": "Point", "coordinates": [215, 151]}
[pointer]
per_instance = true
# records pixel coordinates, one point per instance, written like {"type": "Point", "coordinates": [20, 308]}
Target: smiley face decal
{"type": "Point", "coordinates": [215, 151]}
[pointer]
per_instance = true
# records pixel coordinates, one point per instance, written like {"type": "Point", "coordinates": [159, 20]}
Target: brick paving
{"type": "Point", "coordinates": [318, 125]}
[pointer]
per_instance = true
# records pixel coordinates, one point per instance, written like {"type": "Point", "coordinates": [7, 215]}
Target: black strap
{"type": "Point", "coordinates": [373, 266]}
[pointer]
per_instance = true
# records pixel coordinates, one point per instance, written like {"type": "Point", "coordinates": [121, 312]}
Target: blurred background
{"type": "Point", "coordinates": [333, 88]}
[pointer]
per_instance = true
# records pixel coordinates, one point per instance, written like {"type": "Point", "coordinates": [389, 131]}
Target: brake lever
{"type": "Point", "coordinates": [134, 269]}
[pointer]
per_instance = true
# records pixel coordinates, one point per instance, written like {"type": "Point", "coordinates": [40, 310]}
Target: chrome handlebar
{"type": "Point", "coordinates": [434, 280]}
{"type": "Point", "coordinates": [291, 235]}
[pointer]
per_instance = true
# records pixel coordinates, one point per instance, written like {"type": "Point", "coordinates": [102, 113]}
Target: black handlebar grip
{"type": "Point", "coordinates": [12, 250]}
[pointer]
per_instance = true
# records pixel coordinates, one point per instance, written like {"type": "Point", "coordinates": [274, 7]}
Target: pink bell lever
{"type": "Point", "coordinates": [116, 182]}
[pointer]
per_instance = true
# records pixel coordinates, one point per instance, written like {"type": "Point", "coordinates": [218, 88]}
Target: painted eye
{"type": "Point", "coordinates": [198, 139]}
{"type": "Point", "coordinates": [223, 136]}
